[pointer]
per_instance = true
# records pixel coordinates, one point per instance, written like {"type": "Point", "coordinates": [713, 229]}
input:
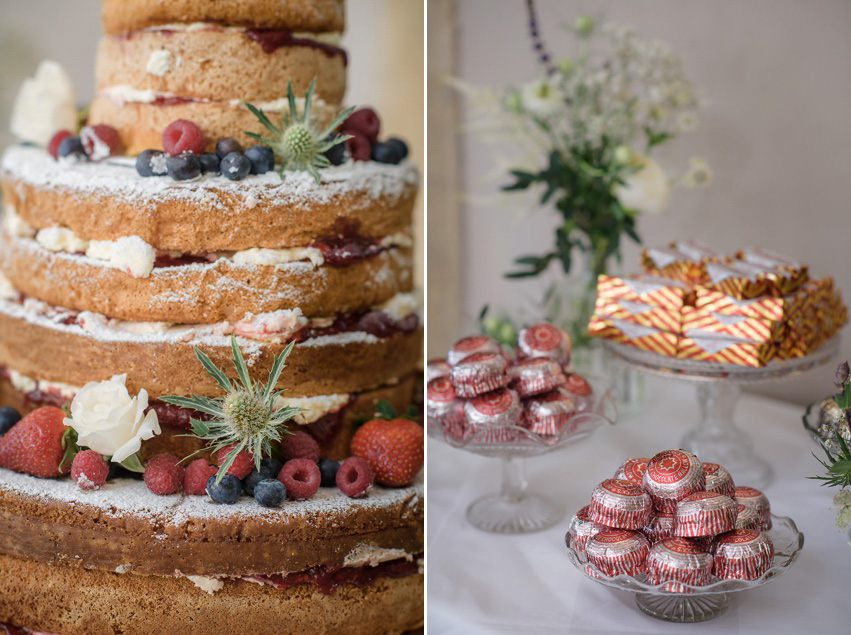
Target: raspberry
{"type": "Point", "coordinates": [100, 141]}
{"type": "Point", "coordinates": [299, 445]}
{"type": "Point", "coordinates": [363, 122]}
{"type": "Point", "coordinates": [55, 140]}
{"type": "Point", "coordinates": [301, 477]}
{"type": "Point", "coordinates": [183, 136]}
{"type": "Point", "coordinates": [242, 464]}
{"type": "Point", "coordinates": [359, 147]}
{"type": "Point", "coordinates": [89, 470]}
{"type": "Point", "coordinates": [196, 476]}
{"type": "Point", "coordinates": [163, 474]}
{"type": "Point", "coordinates": [355, 478]}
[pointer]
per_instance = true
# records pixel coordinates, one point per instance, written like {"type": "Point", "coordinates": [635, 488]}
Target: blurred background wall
{"type": "Point", "coordinates": [384, 38]}
{"type": "Point", "coordinates": [776, 131]}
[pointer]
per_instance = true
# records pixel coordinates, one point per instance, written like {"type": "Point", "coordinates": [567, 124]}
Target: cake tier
{"type": "Point", "coordinates": [298, 15]}
{"type": "Point", "coordinates": [42, 342]}
{"type": "Point", "coordinates": [203, 292]}
{"type": "Point", "coordinates": [125, 526]}
{"type": "Point", "coordinates": [107, 200]}
{"type": "Point", "coordinates": [212, 62]}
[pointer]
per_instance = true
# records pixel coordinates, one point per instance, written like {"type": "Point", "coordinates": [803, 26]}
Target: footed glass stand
{"type": "Point", "coordinates": [687, 603]}
{"type": "Point", "coordinates": [515, 510]}
{"type": "Point", "coordinates": [717, 439]}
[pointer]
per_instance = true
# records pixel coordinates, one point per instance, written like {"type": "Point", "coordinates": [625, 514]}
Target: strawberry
{"type": "Point", "coordinates": [36, 444]}
{"type": "Point", "coordinates": [394, 449]}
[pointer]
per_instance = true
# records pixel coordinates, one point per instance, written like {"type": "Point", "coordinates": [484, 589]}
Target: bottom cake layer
{"type": "Point", "coordinates": [74, 601]}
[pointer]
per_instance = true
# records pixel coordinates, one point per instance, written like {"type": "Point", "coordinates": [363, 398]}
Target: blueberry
{"type": "Point", "coordinates": [235, 166]}
{"type": "Point", "coordinates": [337, 154]}
{"type": "Point", "coordinates": [151, 163]}
{"type": "Point", "coordinates": [262, 159]}
{"type": "Point", "coordinates": [401, 145]}
{"type": "Point", "coordinates": [328, 470]}
{"type": "Point", "coordinates": [227, 145]}
{"type": "Point", "coordinates": [183, 167]}
{"type": "Point", "coordinates": [227, 491]}
{"type": "Point", "coordinates": [270, 492]}
{"type": "Point", "coordinates": [271, 464]}
{"type": "Point", "coordinates": [8, 417]}
{"type": "Point", "coordinates": [209, 163]}
{"type": "Point", "coordinates": [72, 146]}
{"type": "Point", "coordinates": [386, 152]}
{"type": "Point", "coordinates": [269, 468]}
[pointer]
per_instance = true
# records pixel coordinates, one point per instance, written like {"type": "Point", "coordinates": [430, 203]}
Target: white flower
{"type": "Point", "coordinates": [109, 421]}
{"type": "Point", "coordinates": [541, 98]}
{"type": "Point", "coordinates": [699, 174]}
{"type": "Point", "coordinates": [647, 190]}
{"type": "Point", "coordinates": [44, 105]}
{"type": "Point", "coordinates": [686, 121]}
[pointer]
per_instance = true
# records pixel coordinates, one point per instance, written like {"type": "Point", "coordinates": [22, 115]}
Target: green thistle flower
{"type": "Point", "coordinates": [245, 416]}
{"type": "Point", "coordinates": [299, 142]}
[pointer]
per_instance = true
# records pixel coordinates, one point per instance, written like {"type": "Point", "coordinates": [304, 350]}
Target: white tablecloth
{"type": "Point", "coordinates": [486, 583]}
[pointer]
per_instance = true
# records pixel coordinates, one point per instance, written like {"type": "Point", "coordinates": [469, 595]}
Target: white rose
{"type": "Point", "coordinates": [109, 421]}
{"type": "Point", "coordinates": [541, 98]}
{"type": "Point", "coordinates": [647, 190]}
{"type": "Point", "coordinates": [44, 105]}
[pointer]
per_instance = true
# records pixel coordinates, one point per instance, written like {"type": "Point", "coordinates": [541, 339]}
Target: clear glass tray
{"type": "Point", "coordinates": [697, 603]}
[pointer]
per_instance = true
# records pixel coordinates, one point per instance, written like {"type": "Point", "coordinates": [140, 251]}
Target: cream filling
{"type": "Point", "coordinates": [206, 583]}
{"type": "Point", "coordinates": [126, 94]}
{"type": "Point", "coordinates": [159, 63]}
{"type": "Point", "coordinates": [368, 555]}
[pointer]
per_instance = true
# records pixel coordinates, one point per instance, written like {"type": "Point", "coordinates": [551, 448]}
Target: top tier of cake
{"type": "Point", "coordinates": [202, 61]}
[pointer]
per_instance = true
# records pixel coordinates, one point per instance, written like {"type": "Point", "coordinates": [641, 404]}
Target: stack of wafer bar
{"type": "Point", "coordinates": [694, 302]}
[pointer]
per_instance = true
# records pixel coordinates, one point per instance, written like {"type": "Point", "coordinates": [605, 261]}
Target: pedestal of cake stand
{"type": "Point", "coordinates": [717, 439]}
{"type": "Point", "coordinates": [513, 510]}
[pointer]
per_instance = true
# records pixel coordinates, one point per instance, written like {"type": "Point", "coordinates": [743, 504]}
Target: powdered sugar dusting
{"type": "Point", "coordinates": [122, 497]}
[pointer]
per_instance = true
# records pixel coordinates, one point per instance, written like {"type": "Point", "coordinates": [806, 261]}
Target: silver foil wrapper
{"type": "Point", "coordinates": [718, 479]}
{"type": "Point", "coordinates": [544, 340]}
{"type": "Point", "coordinates": [437, 368]}
{"type": "Point", "coordinates": [479, 373]}
{"type": "Point", "coordinates": [535, 376]}
{"type": "Point", "coordinates": [621, 504]}
{"type": "Point", "coordinates": [743, 554]}
{"type": "Point", "coordinates": [633, 471]}
{"type": "Point", "coordinates": [678, 561]}
{"type": "Point", "coordinates": [473, 344]}
{"type": "Point", "coordinates": [671, 476]}
{"type": "Point", "coordinates": [582, 529]}
{"type": "Point", "coordinates": [550, 413]}
{"type": "Point", "coordinates": [618, 551]}
{"type": "Point", "coordinates": [705, 514]}
{"type": "Point", "coordinates": [752, 497]}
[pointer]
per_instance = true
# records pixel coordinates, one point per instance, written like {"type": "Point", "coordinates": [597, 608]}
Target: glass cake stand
{"type": "Point", "coordinates": [717, 439]}
{"type": "Point", "coordinates": [697, 603]}
{"type": "Point", "coordinates": [514, 510]}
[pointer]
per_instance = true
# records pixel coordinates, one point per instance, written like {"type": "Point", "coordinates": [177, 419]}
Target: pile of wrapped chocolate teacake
{"type": "Point", "coordinates": [696, 303]}
{"type": "Point", "coordinates": [676, 521]}
{"type": "Point", "coordinates": [479, 393]}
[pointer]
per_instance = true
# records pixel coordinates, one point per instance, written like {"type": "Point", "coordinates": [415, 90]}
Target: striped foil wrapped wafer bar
{"type": "Point", "coordinates": [792, 273]}
{"type": "Point", "coordinates": [643, 313]}
{"type": "Point", "coordinates": [678, 560]}
{"type": "Point", "coordinates": [668, 262]}
{"type": "Point", "coordinates": [752, 497]}
{"type": "Point", "coordinates": [705, 514]}
{"type": "Point", "coordinates": [548, 414]}
{"type": "Point", "coordinates": [718, 479]}
{"type": "Point", "coordinates": [582, 529]}
{"type": "Point", "coordinates": [618, 551]}
{"type": "Point", "coordinates": [700, 322]}
{"type": "Point", "coordinates": [738, 280]}
{"type": "Point", "coordinates": [726, 350]}
{"type": "Point", "coordinates": [743, 554]}
{"type": "Point", "coordinates": [633, 471]}
{"type": "Point", "coordinates": [644, 337]}
{"type": "Point", "coordinates": [672, 475]}
{"type": "Point", "coordinates": [620, 503]}
{"type": "Point", "coordinates": [697, 250]}
{"type": "Point", "coordinates": [768, 307]}
{"type": "Point", "coordinates": [747, 517]}
{"type": "Point", "coordinates": [661, 526]}
{"type": "Point", "coordinates": [534, 376]}
{"type": "Point", "coordinates": [661, 292]}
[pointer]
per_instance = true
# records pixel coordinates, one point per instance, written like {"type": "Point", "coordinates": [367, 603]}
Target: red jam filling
{"type": "Point", "coordinates": [270, 40]}
{"type": "Point", "coordinates": [327, 580]}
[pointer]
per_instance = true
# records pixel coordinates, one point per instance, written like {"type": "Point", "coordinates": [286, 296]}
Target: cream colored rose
{"type": "Point", "coordinates": [646, 190]}
{"type": "Point", "coordinates": [109, 421]}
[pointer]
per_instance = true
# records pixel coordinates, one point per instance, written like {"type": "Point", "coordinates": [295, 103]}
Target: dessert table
{"type": "Point", "coordinates": [481, 582]}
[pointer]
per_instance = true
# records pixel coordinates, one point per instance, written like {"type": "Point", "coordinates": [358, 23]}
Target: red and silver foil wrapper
{"type": "Point", "coordinates": [718, 479]}
{"type": "Point", "coordinates": [671, 476]}
{"type": "Point", "coordinates": [678, 560]}
{"type": "Point", "coordinates": [479, 373]}
{"type": "Point", "coordinates": [618, 551]}
{"type": "Point", "coordinates": [535, 376]}
{"type": "Point", "coordinates": [743, 554]}
{"type": "Point", "coordinates": [549, 413]}
{"type": "Point", "coordinates": [469, 345]}
{"type": "Point", "coordinates": [582, 529]}
{"type": "Point", "coordinates": [633, 471]}
{"type": "Point", "coordinates": [492, 417]}
{"type": "Point", "coordinates": [705, 514]}
{"type": "Point", "coordinates": [444, 409]}
{"type": "Point", "coordinates": [544, 340]}
{"type": "Point", "coordinates": [581, 390]}
{"type": "Point", "coordinates": [747, 518]}
{"type": "Point", "coordinates": [661, 526]}
{"type": "Point", "coordinates": [437, 368]}
{"type": "Point", "coordinates": [621, 504]}
{"type": "Point", "coordinates": [752, 497]}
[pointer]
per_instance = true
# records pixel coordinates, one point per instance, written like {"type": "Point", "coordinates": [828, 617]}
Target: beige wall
{"type": "Point", "coordinates": [776, 131]}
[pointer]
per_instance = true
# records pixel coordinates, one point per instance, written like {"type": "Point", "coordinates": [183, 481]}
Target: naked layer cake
{"type": "Point", "coordinates": [218, 210]}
